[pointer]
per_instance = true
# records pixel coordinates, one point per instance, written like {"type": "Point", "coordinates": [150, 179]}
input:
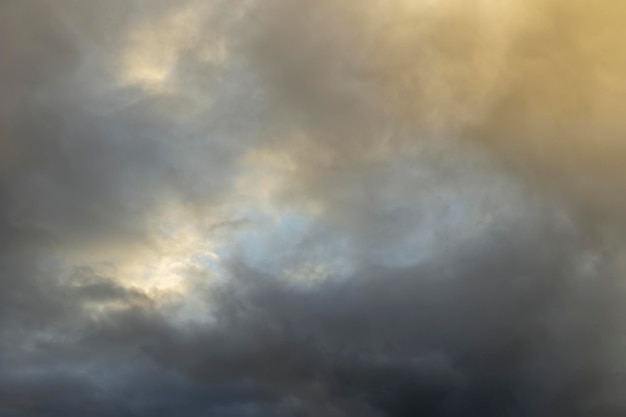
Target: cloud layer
{"type": "Point", "coordinates": [311, 208]}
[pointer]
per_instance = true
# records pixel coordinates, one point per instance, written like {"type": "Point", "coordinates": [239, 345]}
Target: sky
{"type": "Point", "coordinates": [298, 208]}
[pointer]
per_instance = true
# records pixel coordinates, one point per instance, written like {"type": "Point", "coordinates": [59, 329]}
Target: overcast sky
{"type": "Point", "coordinates": [312, 208]}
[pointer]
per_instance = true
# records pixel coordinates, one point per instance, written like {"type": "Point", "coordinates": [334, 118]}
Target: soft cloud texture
{"type": "Point", "coordinates": [311, 208]}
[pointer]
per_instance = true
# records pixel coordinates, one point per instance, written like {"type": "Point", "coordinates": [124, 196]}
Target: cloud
{"type": "Point", "coordinates": [519, 329]}
{"type": "Point", "coordinates": [297, 208]}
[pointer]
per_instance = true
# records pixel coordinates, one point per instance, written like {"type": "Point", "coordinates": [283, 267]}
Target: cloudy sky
{"type": "Point", "coordinates": [312, 208]}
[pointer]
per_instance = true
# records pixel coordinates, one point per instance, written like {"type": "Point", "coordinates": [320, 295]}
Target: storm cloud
{"type": "Point", "coordinates": [325, 208]}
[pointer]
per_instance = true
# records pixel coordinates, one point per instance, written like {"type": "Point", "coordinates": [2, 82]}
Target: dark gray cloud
{"type": "Point", "coordinates": [297, 208]}
{"type": "Point", "coordinates": [516, 330]}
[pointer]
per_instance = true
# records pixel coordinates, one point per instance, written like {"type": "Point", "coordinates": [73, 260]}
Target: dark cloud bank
{"type": "Point", "coordinates": [492, 133]}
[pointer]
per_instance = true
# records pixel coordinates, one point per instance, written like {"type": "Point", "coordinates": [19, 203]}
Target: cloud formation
{"type": "Point", "coordinates": [311, 208]}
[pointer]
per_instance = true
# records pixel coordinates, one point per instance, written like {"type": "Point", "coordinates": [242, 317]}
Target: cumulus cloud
{"type": "Point", "coordinates": [311, 208]}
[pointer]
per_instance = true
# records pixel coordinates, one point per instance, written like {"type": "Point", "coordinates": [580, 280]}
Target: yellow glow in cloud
{"type": "Point", "coordinates": [446, 58]}
{"type": "Point", "coordinates": [177, 240]}
{"type": "Point", "coordinates": [154, 46]}
{"type": "Point", "coordinates": [164, 267]}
